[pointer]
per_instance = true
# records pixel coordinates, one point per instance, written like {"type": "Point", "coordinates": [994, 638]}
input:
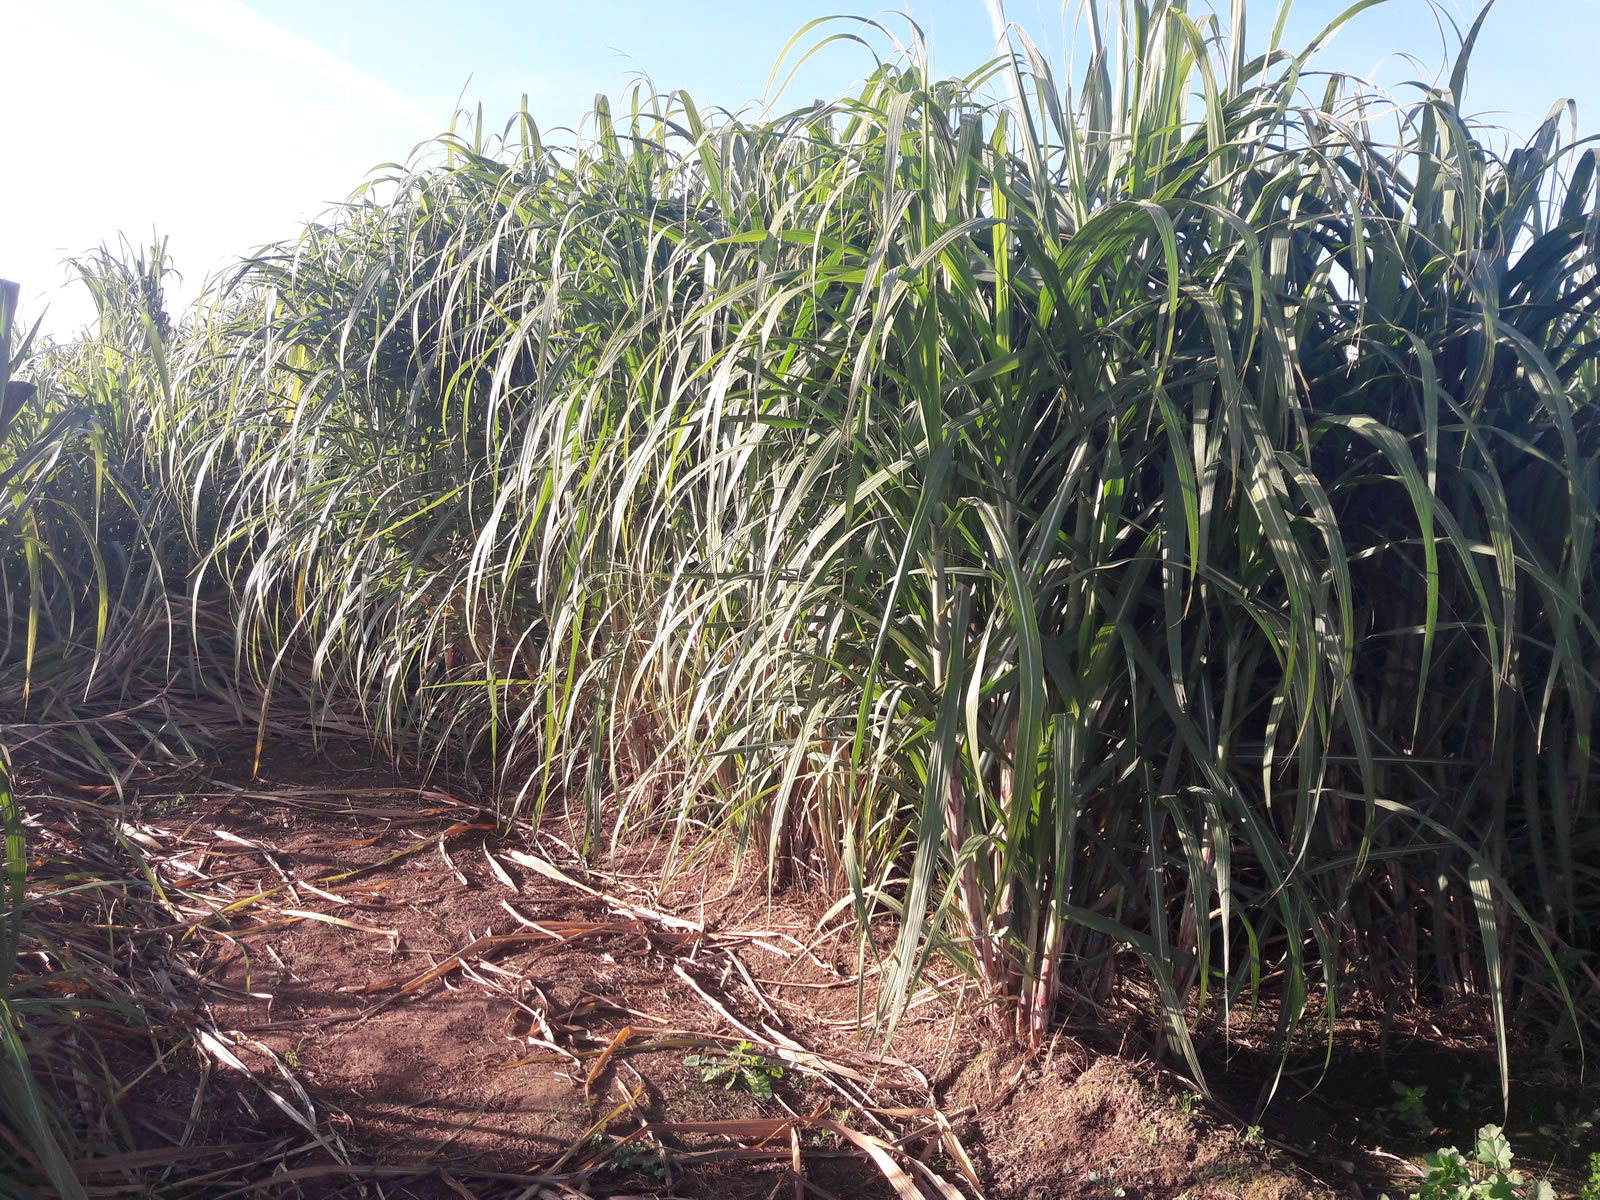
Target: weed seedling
{"type": "Point", "coordinates": [1571, 1127]}
{"type": "Point", "coordinates": [1485, 1175]}
{"type": "Point", "coordinates": [1591, 1189]}
{"type": "Point", "coordinates": [1408, 1108]}
{"type": "Point", "coordinates": [1105, 1185]}
{"type": "Point", "coordinates": [739, 1065]}
{"type": "Point", "coordinates": [637, 1157]}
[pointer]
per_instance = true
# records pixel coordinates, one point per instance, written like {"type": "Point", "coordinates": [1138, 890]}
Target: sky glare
{"type": "Point", "coordinates": [222, 124]}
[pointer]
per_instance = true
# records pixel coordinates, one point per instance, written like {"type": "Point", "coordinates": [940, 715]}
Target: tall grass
{"type": "Point", "coordinates": [100, 682]}
{"type": "Point", "coordinates": [99, 635]}
{"type": "Point", "coordinates": [1154, 514]}
{"type": "Point", "coordinates": [29, 1120]}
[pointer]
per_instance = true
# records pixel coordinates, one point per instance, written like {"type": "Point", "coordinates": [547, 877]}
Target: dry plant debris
{"type": "Point", "coordinates": [330, 991]}
{"type": "Point", "coordinates": [281, 943]}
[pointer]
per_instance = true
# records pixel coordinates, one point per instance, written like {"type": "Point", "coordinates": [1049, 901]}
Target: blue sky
{"type": "Point", "coordinates": [222, 123]}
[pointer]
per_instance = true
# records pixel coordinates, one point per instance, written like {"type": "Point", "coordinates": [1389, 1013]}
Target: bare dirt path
{"type": "Point", "coordinates": [366, 990]}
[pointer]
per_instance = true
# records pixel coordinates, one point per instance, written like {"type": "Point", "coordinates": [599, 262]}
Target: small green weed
{"type": "Point", "coordinates": [1105, 1185]}
{"type": "Point", "coordinates": [1255, 1136]}
{"type": "Point", "coordinates": [638, 1157]}
{"type": "Point", "coordinates": [739, 1065]}
{"type": "Point", "coordinates": [1486, 1175]}
{"type": "Point", "coordinates": [1591, 1189]}
{"type": "Point", "coordinates": [1186, 1101]}
{"type": "Point", "coordinates": [1463, 1096]}
{"type": "Point", "coordinates": [1571, 1127]}
{"type": "Point", "coordinates": [1408, 1108]}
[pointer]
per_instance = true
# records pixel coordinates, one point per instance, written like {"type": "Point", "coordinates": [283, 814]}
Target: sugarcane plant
{"type": "Point", "coordinates": [1145, 518]}
{"type": "Point", "coordinates": [26, 1112]}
